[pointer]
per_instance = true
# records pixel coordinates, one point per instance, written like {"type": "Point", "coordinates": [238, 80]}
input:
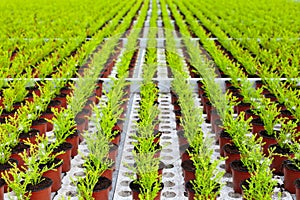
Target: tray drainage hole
{"type": "Point", "coordinates": [71, 194]}
{"type": "Point", "coordinates": [79, 174]}
{"type": "Point", "coordinates": [92, 126]}
{"type": "Point", "coordinates": [229, 184]}
{"type": "Point", "coordinates": [167, 150]}
{"type": "Point", "coordinates": [80, 165]}
{"type": "Point", "coordinates": [169, 166]}
{"type": "Point", "coordinates": [227, 175]}
{"type": "Point", "coordinates": [124, 183]}
{"type": "Point", "coordinates": [234, 195]}
{"type": "Point", "coordinates": [166, 127]}
{"type": "Point", "coordinates": [169, 194]}
{"type": "Point", "coordinates": [222, 166]}
{"type": "Point", "coordinates": [166, 137]}
{"type": "Point", "coordinates": [129, 157]}
{"type": "Point", "coordinates": [129, 149]}
{"type": "Point", "coordinates": [124, 193]}
{"type": "Point", "coordinates": [72, 184]}
{"type": "Point", "coordinates": [86, 151]}
{"type": "Point", "coordinates": [128, 174]}
{"type": "Point", "coordinates": [283, 194]}
{"type": "Point", "coordinates": [217, 150]}
{"type": "Point", "coordinates": [165, 113]}
{"type": "Point", "coordinates": [169, 184]}
{"type": "Point", "coordinates": [168, 174]}
{"type": "Point", "coordinates": [166, 143]}
{"type": "Point", "coordinates": [167, 157]}
{"type": "Point", "coordinates": [166, 132]}
{"type": "Point", "coordinates": [129, 165]}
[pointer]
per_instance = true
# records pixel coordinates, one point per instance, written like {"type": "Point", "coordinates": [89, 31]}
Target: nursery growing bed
{"type": "Point", "coordinates": [172, 175]}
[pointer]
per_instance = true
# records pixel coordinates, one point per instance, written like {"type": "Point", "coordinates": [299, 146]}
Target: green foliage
{"type": "Point", "coordinates": [287, 134]}
{"type": "Point", "coordinates": [39, 154]}
{"type": "Point", "coordinates": [146, 167]}
{"type": "Point", "coordinates": [64, 124]}
{"type": "Point", "coordinates": [5, 148]}
{"type": "Point", "coordinates": [268, 113]}
{"type": "Point", "coordinates": [261, 183]}
{"type": "Point", "coordinates": [207, 184]}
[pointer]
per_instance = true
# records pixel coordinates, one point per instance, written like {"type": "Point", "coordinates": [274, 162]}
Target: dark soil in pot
{"type": "Point", "coordinates": [136, 189]}
{"type": "Point", "coordinates": [7, 165]}
{"type": "Point", "coordinates": [103, 183]}
{"type": "Point", "coordinates": [191, 192]}
{"type": "Point", "coordinates": [31, 134]}
{"type": "Point", "coordinates": [54, 103]}
{"type": "Point", "coordinates": [47, 182]}
{"type": "Point", "coordinates": [17, 150]}
{"type": "Point", "coordinates": [63, 147]}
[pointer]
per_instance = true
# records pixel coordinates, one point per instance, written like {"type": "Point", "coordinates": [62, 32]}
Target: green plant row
{"type": "Point", "coordinates": [207, 182]}
{"type": "Point", "coordinates": [221, 103]}
{"type": "Point", "coordinates": [251, 96]}
{"type": "Point", "coordinates": [64, 120]}
{"type": "Point", "coordinates": [29, 49]}
{"type": "Point", "coordinates": [278, 60]}
{"type": "Point", "coordinates": [106, 118]}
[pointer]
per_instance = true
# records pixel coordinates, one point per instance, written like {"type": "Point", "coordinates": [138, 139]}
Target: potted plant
{"type": "Point", "coordinates": [250, 158]}
{"type": "Point", "coordinates": [64, 124]}
{"type": "Point", "coordinates": [291, 168]}
{"type": "Point", "coordinates": [29, 183]}
{"type": "Point", "coordinates": [268, 113]}
{"type": "Point", "coordinates": [95, 185]}
{"type": "Point", "coordinates": [148, 183]}
{"type": "Point", "coordinates": [281, 151]}
{"type": "Point", "coordinates": [207, 182]}
{"type": "Point", "coordinates": [261, 183]}
{"type": "Point", "coordinates": [6, 162]}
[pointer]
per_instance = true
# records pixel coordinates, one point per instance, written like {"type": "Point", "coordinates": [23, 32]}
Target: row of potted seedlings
{"type": "Point", "coordinates": [286, 130]}
{"type": "Point", "coordinates": [41, 54]}
{"type": "Point", "coordinates": [201, 174]}
{"type": "Point", "coordinates": [40, 147]}
{"type": "Point", "coordinates": [147, 168]}
{"type": "Point", "coordinates": [102, 144]}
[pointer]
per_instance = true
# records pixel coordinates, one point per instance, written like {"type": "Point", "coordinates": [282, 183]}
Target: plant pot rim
{"type": "Point", "coordinates": [65, 146]}
{"type": "Point", "coordinates": [137, 188]}
{"type": "Point", "coordinates": [238, 165]}
{"type": "Point", "coordinates": [6, 165]}
{"type": "Point", "coordinates": [102, 180]}
{"type": "Point", "coordinates": [265, 134]}
{"type": "Point", "coordinates": [282, 151]}
{"type": "Point", "coordinates": [190, 186]}
{"type": "Point", "coordinates": [231, 148]}
{"type": "Point", "coordinates": [35, 188]}
{"type": "Point", "coordinates": [55, 161]}
{"type": "Point", "coordinates": [289, 165]}
{"type": "Point", "coordinates": [16, 150]}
